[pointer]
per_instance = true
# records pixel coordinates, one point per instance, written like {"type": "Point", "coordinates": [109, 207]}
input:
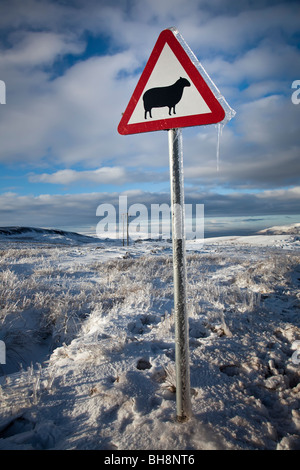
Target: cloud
{"type": "Point", "coordinates": [257, 65]}
{"type": "Point", "coordinates": [104, 175]}
{"type": "Point", "coordinates": [283, 194]}
{"type": "Point", "coordinates": [60, 124]}
{"type": "Point", "coordinates": [115, 175]}
{"type": "Point", "coordinates": [77, 210]}
{"type": "Point", "coordinates": [240, 25]}
{"type": "Point", "coordinates": [271, 202]}
{"type": "Point", "coordinates": [38, 48]}
{"type": "Point", "coordinates": [72, 118]}
{"type": "Point", "coordinates": [260, 149]}
{"type": "Point", "coordinates": [74, 123]}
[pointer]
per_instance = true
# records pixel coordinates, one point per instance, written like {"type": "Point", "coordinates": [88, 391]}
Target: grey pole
{"type": "Point", "coordinates": [183, 398]}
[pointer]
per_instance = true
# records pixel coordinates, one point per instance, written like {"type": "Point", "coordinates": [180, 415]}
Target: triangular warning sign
{"type": "Point", "coordinates": [171, 92]}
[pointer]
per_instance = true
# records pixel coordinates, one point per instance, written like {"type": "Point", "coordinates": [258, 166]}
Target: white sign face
{"type": "Point", "coordinates": [167, 71]}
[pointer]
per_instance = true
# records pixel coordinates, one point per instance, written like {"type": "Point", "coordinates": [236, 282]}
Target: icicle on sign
{"type": "Point", "coordinates": [174, 91]}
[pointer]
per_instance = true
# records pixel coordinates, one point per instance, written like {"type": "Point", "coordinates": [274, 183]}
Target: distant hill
{"type": "Point", "coordinates": [42, 235]}
{"type": "Point", "coordinates": [293, 229]}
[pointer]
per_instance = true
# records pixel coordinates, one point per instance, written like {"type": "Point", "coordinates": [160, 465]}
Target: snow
{"type": "Point", "coordinates": [89, 332]}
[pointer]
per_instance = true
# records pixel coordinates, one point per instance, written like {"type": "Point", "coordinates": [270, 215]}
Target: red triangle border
{"type": "Point", "coordinates": [217, 112]}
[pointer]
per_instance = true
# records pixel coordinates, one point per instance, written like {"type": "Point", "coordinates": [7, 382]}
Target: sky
{"type": "Point", "coordinates": [70, 68]}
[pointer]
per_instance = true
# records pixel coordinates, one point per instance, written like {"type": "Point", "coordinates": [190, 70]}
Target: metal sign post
{"type": "Point", "coordinates": [183, 399]}
{"type": "Point", "coordinates": [174, 78]}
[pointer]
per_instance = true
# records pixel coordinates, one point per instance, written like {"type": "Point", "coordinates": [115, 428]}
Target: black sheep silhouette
{"type": "Point", "coordinates": [164, 96]}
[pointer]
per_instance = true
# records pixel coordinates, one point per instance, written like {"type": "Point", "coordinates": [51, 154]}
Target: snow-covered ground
{"type": "Point", "coordinates": [89, 333]}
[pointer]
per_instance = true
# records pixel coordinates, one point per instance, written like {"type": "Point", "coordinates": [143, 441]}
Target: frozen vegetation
{"type": "Point", "coordinates": [89, 336]}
